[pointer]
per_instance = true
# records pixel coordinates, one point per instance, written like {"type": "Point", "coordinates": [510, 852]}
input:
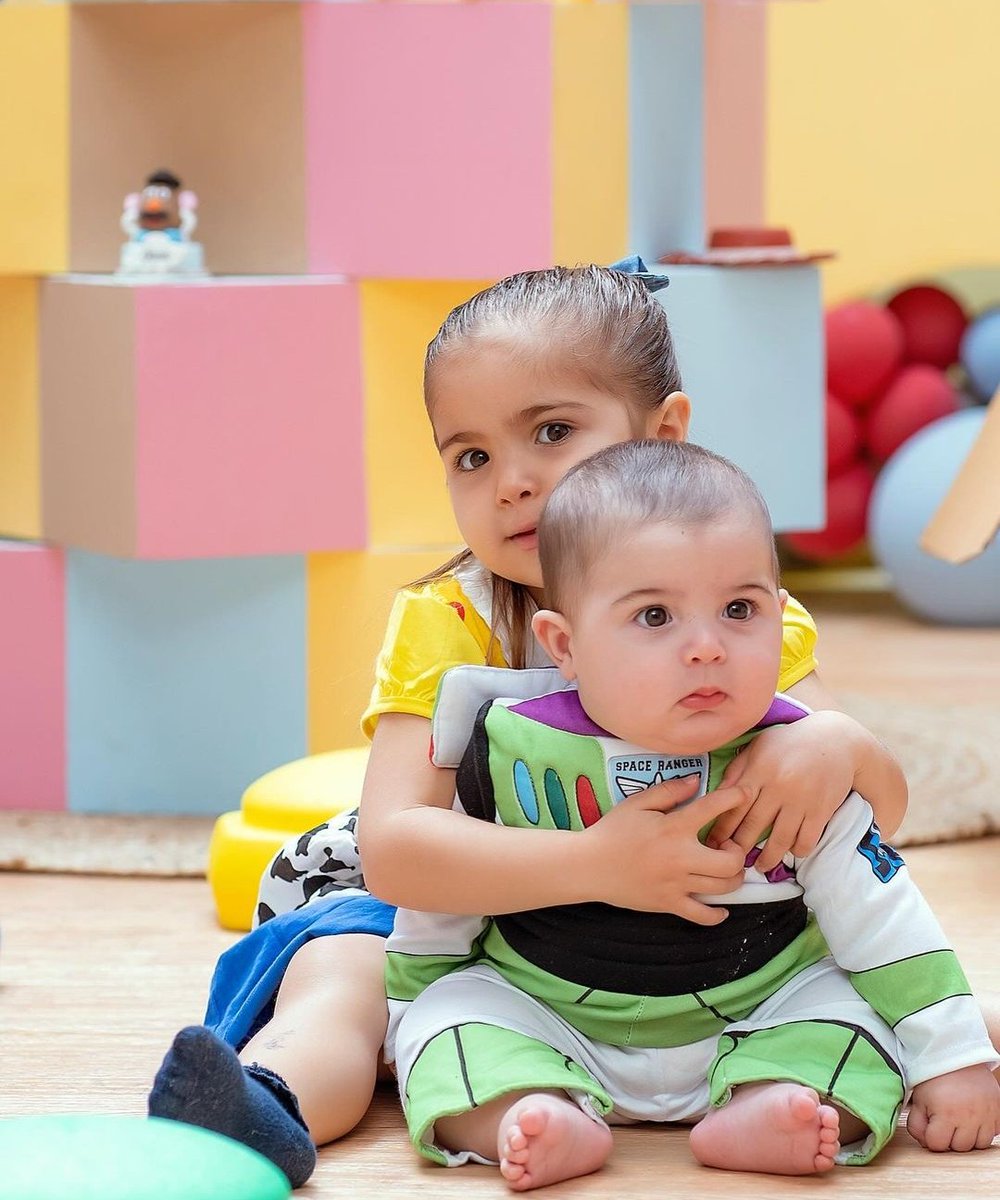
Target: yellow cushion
{"type": "Point", "coordinates": [279, 805]}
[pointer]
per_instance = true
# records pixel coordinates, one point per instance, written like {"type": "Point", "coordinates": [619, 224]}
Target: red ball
{"type": "Point", "coordinates": [847, 496]}
{"type": "Point", "coordinates": [864, 346]}
{"type": "Point", "coordinates": [843, 435]}
{"type": "Point", "coordinates": [918, 395]}
{"type": "Point", "coordinates": [933, 322]}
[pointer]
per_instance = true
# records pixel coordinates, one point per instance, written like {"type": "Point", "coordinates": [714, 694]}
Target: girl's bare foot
{"type": "Point", "coordinates": [778, 1128]}
{"type": "Point", "coordinates": [544, 1139]}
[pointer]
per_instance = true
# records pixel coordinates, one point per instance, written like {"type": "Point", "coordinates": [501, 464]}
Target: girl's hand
{"type": "Point", "coordinates": [796, 777]}
{"type": "Point", "coordinates": [646, 854]}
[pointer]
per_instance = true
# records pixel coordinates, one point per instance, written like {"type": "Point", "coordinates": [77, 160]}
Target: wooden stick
{"type": "Point", "coordinates": [968, 517]}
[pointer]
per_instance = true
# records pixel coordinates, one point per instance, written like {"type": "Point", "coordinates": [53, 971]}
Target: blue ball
{"type": "Point", "coordinates": [979, 353]}
{"type": "Point", "coordinates": [907, 493]}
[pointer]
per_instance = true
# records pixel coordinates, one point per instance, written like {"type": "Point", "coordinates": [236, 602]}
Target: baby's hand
{"type": "Point", "coordinates": [957, 1111]}
{"type": "Point", "coordinates": [648, 857]}
{"type": "Point", "coordinates": [796, 777]}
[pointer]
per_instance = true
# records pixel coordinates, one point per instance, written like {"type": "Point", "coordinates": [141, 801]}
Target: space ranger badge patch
{"type": "Point", "coordinates": [631, 773]}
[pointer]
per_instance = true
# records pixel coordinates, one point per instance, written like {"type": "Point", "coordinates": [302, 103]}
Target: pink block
{"type": "Point", "coordinates": [428, 138]}
{"type": "Point", "coordinates": [32, 679]}
{"type": "Point", "coordinates": [252, 396]}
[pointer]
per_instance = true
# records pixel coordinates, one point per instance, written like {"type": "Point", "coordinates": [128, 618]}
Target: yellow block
{"type": "Point", "coordinates": [349, 597]}
{"type": "Point", "coordinates": [882, 135]}
{"type": "Point", "coordinates": [275, 808]}
{"type": "Point", "coordinates": [20, 478]}
{"type": "Point", "coordinates": [407, 500]}
{"type": "Point", "coordinates": [34, 139]}
{"type": "Point", "coordinates": [590, 167]}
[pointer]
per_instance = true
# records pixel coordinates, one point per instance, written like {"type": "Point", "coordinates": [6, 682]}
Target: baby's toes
{"type": "Point", "coordinates": [515, 1145]}
{"type": "Point", "coordinates": [513, 1172]}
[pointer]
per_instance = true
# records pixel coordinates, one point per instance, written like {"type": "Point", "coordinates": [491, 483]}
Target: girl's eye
{"type": "Point", "coordinates": [739, 610]}
{"type": "Point", "coordinates": [472, 460]}
{"type": "Point", "coordinates": [555, 431]}
{"type": "Point", "coordinates": [653, 617]}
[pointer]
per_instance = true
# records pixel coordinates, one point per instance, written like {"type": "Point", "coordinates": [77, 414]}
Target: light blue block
{"type": "Point", "coordinates": [750, 346]}
{"type": "Point", "coordinates": [185, 680]}
{"type": "Point", "coordinates": [666, 128]}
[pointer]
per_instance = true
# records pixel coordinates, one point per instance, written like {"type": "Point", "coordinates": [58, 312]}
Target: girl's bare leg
{"type": "Point", "coordinates": [307, 1077]}
{"type": "Point", "coordinates": [325, 1037]}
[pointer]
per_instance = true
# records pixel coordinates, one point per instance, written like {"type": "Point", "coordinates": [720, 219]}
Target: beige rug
{"type": "Point", "coordinates": [952, 762]}
{"type": "Point", "coordinates": [90, 844]}
{"type": "Point", "coordinates": [951, 758]}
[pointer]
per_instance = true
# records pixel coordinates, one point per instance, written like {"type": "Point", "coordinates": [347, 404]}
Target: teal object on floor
{"type": "Point", "coordinates": [89, 1157]}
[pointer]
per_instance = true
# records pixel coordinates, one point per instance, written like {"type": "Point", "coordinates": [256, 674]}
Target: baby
{"type": "Point", "coordinates": [793, 1030]}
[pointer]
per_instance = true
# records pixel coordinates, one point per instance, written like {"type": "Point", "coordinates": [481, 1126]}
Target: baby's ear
{"type": "Point", "coordinates": [552, 631]}
{"type": "Point", "coordinates": [782, 598]}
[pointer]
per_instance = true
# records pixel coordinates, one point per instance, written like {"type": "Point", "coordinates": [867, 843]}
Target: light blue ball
{"type": "Point", "coordinates": [91, 1157]}
{"type": "Point", "coordinates": [979, 353]}
{"type": "Point", "coordinates": [907, 493]}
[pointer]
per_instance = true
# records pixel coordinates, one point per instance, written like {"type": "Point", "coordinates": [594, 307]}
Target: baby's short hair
{"type": "Point", "coordinates": [626, 487]}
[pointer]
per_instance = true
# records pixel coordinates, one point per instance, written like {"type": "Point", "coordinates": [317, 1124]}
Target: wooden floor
{"type": "Point", "coordinates": [96, 974]}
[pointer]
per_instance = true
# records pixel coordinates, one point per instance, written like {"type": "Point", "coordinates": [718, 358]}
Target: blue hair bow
{"type": "Point", "coordinates": [633, 265]}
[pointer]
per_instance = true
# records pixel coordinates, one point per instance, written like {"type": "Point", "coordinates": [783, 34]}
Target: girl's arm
{"type": "Point", "coordinates": [418, 852]}
{"type": "Point", "coordinates": [799, 774]}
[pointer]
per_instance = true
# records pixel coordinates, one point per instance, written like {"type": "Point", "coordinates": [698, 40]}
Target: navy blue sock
{"type": "Point", "coordinates": [202, 1082]}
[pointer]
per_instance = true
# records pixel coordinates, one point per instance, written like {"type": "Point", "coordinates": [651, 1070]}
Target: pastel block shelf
{"type": "Point", "coordinates": [349, 597]}
{"type": "Point", "coordinates": [20, 481]}
{"type": "Point", "coordinates": [212, 91]}
{"type": "Point", "coordinates": [407, 499]}
{"type": "Point", "coordinates": [455, 180]}
{"type": "Point", "coordinates": [184, 680]}
{"type": "Point", "coordinates": [34, 139]}
{"type": "Point", "coordinates": [522, 133]}
{"type": "Point", "coordinates": [222, 417]}
{"type": "Point", "coordinates": [32, 681]}
{"type": "Point", "coordinates": [750, 346]}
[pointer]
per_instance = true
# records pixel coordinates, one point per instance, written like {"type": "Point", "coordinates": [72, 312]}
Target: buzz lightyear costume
{"type": "Point", "coordinates": [830, 971]}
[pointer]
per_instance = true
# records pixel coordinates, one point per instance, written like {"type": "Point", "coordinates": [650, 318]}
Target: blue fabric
{"type": "Point", "coordinates": [246, 978]}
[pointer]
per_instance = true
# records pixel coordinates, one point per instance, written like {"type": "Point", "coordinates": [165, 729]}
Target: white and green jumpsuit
{"type": "Point", "coordinates": [830, 970]}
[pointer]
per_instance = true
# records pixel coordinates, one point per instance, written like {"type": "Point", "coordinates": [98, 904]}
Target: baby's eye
{"type": "Point", "coordinates": [472, 460]}
{"type": "Point", "coordinates": [555, 431]}
{"type": "Point", "coordinates": [739, 610]}
{"type": "Point", "coordinates": [653, 617]}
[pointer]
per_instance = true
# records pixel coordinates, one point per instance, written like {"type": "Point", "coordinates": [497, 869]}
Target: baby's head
{"type": "Point", "coordinates": [595, 323]}
{"type": "Point", "coordinates": [662, 585]}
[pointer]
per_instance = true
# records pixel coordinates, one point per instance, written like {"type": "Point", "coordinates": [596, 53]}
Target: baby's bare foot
{"type": "Point", "coordinates": [779, 1128]}
{"type": "Point", "coordinates": [544, 1139]}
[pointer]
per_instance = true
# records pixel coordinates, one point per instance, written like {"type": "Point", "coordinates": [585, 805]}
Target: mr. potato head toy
{"type": "Point", "coordinates": [159, 221]}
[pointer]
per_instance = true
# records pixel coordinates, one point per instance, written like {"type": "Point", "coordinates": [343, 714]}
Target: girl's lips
{"type": "Point", "coordinates": [702, 700]}
{"type": "Point", "coordinates": [527, 539]}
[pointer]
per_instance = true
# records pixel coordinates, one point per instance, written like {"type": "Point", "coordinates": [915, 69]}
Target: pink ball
{"type": "Point", "coordinates": [933, 322]}
{"type": "Point", "coordinates": [864, 346]}
{"type": "Point", "coordinates": [918, 395]}
{"type": "Point", "coordinates": [843, 435]}
{"type": "Point", "coordinates": [847, 496]}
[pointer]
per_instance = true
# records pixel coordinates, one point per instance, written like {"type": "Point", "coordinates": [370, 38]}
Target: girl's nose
{"type": "Point", "coordinates": [514, 484]}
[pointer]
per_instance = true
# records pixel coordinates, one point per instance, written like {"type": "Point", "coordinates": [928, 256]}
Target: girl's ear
{"type": "Point", "coordinates": [782, 598]}
{"type": "Point", "coordinates": [671, 420]}
{"type": "Point", "coordinates": [553, 633]}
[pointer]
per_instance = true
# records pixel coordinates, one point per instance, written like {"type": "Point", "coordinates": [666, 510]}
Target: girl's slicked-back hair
{"type": "Point", "coordinates": [601, 324]}
{"type": "Point", "coordinates": [630, 486]}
